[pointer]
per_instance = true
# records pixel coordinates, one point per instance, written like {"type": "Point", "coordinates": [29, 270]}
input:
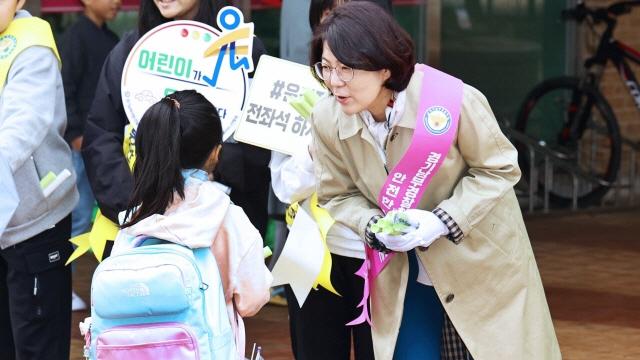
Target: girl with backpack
{"type": "Point", "coordinates": [178, 144]}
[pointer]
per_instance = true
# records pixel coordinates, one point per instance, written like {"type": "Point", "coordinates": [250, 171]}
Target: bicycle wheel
{"type": "Point", "coordinates": [578, 125]}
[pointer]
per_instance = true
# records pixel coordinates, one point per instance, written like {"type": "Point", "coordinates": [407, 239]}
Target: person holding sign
{"type": "Point", "coordinates": [242, 167]}
{"type": "Point", "coordinates": [450, 269]}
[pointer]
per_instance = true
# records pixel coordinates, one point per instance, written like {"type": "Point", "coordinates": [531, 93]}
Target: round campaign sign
{"type": "Point", "coordinates": [177, 56]}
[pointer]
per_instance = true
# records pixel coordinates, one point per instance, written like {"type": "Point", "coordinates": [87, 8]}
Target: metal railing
{"type": "Point", "coordinates": [632, 182]}
{"type": "Point", "coordinates": [554, 160]}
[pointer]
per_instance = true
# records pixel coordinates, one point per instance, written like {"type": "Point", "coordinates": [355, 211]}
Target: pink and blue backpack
{"type": "Point", "coordinates": [159, 301]}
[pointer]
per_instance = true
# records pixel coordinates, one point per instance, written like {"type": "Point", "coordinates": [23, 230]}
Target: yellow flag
{"type": "Point", "coordinates": [103, 230]}
{"type": "Point", "coordinates": [324, 221]}
{"type": "Point", "coordinates": [82, 246]}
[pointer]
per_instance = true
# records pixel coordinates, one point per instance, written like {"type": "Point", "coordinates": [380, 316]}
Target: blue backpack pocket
{"type": "Point", "coordinates": [156, 290]}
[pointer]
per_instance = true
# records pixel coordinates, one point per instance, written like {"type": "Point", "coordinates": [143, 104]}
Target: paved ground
{"type": "Point", "coordinates": [590, 266]}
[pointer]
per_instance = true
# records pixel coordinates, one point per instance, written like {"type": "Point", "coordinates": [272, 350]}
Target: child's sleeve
{"type": "Point", "coordinates": [28, 104]}
{"type": "Point", "coordinates": [251, 279]}
{"type": "Point", "coordinates": [292, 177]}
{"type": "Point", "coordinates": [105, 163]}
{"type": "Point", "coordinates": [253, 282]}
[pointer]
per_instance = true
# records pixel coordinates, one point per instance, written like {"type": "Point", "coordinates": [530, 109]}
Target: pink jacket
{"type": "Point", "coordinates": [207, 218]}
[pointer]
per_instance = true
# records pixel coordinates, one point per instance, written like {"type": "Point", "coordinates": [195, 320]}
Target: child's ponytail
{"type": "Point", "coordinates": [179, 132]}
{"type": "Point", "coordinates": [157, 171]}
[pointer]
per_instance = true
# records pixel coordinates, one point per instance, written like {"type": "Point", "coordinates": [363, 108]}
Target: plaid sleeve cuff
{"type": "Point", "coordinates": [455, 233]}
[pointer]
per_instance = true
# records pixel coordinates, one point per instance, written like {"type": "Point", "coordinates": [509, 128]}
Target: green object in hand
{"type": "Point", "coordinates": [266, 252]}
{"type": "Point", "coordinates": [394, 223]}
{"type": "Point", "coordinates": [304, 104]}
{"type": "Point", "coordinates": [310, 97]}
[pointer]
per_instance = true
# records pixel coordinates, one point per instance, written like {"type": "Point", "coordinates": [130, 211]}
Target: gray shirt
{"type": "Point", "coordinates": [32, 124]}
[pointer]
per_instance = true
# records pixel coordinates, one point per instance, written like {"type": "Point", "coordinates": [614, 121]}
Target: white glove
{"type": "Point", "coordinates": [426, 228]}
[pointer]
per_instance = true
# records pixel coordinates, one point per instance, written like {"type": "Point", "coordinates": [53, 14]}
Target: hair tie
{"type": "Point", "coordinates": [175, 102]}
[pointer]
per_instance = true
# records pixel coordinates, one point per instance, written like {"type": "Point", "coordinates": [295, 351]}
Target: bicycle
{"type": "Point", "coordinates": [569, 115]}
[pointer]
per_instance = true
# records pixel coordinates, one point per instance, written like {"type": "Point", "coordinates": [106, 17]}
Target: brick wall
{"type": "Point", "coordinates": [614, 90]}
{"type": "Point", "coordinates": [627, 32]}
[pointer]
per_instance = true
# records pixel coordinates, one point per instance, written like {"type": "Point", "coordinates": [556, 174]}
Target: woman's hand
{"type": "Point", "coordinates": [426, 228]}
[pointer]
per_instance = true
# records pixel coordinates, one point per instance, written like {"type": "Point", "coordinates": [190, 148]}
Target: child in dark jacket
{"type": "Point", "coordinates": [85, 45]}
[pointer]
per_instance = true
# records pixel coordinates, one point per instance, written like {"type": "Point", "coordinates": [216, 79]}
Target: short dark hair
{"type": "Point", "coordinates": [149, 16]}
{"type": "Point", "coordinates": [318, 7]}
{"type": "Point", "coordinates": [178, 132]}
{"type": "Point", "coordinates": [363, 36]}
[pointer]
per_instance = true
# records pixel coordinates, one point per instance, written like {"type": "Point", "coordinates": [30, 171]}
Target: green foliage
{"type": "Point", "coordinates": [394, 223]}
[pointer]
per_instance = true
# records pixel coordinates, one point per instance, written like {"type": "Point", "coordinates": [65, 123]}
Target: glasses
{"type": "Point", "coordinates": [324, 71]}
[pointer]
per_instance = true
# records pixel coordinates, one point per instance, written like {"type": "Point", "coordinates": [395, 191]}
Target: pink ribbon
{"type": "Point", "coordinates": [436, 127]}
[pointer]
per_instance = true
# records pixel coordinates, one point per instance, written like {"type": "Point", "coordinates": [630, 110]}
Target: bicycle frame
{"type": "Point", "coordinates": [620, 53]}
{"type": "Point", "coordinates": [575, 124]}
{"type": "Point", "coordinates": [617, 52]}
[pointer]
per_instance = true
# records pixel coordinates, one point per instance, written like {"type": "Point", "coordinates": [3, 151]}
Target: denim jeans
{"type": "Point", "coordinates": [82, 213]}
{"type": "Point", "coordinates": [421, 328]}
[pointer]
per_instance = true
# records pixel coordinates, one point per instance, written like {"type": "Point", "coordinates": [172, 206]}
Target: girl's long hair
{"type": "Point", "coordinates": [178, 132]}
{"type": "Point", "coordinates": [149, 16]}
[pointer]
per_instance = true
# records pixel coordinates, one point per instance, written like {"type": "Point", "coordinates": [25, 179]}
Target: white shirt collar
{"type": "Point", "coordinates": [380, 130]}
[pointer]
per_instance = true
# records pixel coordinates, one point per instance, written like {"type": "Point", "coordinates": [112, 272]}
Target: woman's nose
{"type": "Point", "coordinates": [334, 79]}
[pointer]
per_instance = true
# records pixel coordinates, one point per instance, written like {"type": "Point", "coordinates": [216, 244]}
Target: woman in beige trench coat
{"type": "Point", "coordinates": [478, 258]}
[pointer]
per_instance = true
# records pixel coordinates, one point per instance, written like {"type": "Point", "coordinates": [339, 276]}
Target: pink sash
{"type": "Point", "coordinates": [436, 127]}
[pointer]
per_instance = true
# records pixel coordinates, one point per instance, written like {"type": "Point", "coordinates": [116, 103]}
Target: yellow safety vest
{"type": "Point", "coordinates": [21, 34]}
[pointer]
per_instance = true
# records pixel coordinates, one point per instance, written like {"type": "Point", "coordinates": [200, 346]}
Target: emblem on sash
{"type": "Point", "coordinates": [7, 45]}
{"type": "Point", "coordinates": [437, 120]}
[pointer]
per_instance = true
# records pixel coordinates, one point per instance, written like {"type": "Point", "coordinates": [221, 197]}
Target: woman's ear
{"type": "Point", "coordinates": [386, 75]}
